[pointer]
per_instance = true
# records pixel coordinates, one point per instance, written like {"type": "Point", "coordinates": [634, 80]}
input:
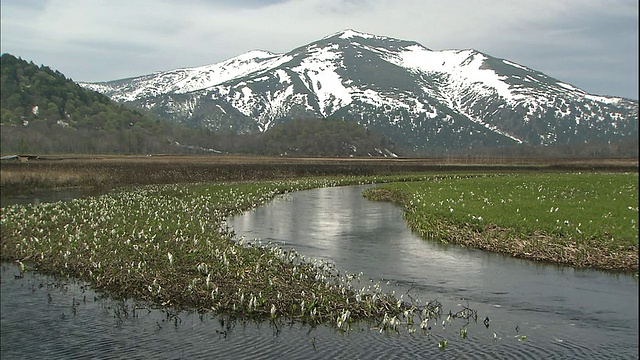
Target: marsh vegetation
{"type": "Point", "coordinates": [168, 244]}
{"type": "Point", "coordinates": [576, 219]}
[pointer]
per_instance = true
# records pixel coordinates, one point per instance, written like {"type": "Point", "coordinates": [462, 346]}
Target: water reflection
{"type": "Point", "coordinates": [47, 196]}
{"type": "Point", "coordinates": [43, 317]}
{"type": "Point", "coordinates": [558, 305]}
{"type": "Point", "coordinates": [564, 313]}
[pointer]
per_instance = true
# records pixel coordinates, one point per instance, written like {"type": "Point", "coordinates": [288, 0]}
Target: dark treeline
{"type": "Point", "coordinates": [310, 137]}
{"type": "Point", "coordinates": [296, 138]}
{"type": "Point", "coordinates": [299, 137]}
{"type": "Point", "coordinates": [620, 149]}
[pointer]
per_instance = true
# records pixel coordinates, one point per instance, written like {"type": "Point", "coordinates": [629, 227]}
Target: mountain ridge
{"type": "Point", "coordinates": [420, 98]}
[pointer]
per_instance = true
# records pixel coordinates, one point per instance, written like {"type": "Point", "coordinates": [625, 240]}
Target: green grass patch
{"type": "Point", "coordinates": [581, 219]}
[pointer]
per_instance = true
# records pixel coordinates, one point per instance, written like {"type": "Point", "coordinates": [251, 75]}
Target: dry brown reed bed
{"type": "Point", "coordinates": [109, 171]}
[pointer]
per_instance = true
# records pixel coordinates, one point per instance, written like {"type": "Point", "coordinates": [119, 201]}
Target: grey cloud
{"type": "Point", "coordinates": [590, 44]}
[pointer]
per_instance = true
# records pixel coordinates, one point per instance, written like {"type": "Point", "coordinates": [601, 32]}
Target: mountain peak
{"type": "Point", "coordinates": [255, 54]}
{"type": "Point", "coordinates": [349, 33]}
{"type": "Point", "coordinates": [418, 97]}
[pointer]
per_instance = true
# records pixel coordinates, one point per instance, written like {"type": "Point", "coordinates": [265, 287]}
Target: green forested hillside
{"type": "Point", "coordinates": [37, 93]}
{"type": "Point", "coordinates": [43, 111]}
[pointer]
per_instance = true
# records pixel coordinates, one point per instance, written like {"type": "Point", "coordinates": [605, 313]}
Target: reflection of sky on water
{"type": "Point", "coordinates": [362, 236]}
{"type": "Point", "coordinates": [339, 225]}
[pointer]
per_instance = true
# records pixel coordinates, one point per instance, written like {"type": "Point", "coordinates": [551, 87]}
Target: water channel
{"type": "Point", "coordinates": [563, 312]}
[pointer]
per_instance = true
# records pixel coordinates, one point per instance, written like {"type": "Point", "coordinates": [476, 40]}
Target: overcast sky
{"type": "Point", "coordinates": [591, 44]}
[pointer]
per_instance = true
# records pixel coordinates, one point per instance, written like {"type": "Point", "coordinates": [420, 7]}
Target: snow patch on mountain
{"type": "Point", "coordinates": [567, 86]}
{"type": "Point", "coordinates": [186, 80]}
{"type": "Point", "coordinates": [350, 33]}
{"type": "Point", "coordinates": [463, 68]}
{"type": "Point", "coordinates": [515, 65]}
{"type": "Point", "coordinates": [210, 75]}
{"type": "Point", "coordinates": [603, 99]}
{"type": "Point", "coordinates": [318, 72]}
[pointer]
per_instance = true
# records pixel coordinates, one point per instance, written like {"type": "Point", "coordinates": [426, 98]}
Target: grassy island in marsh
{"type": "Point", "coordinates": [577, 219]}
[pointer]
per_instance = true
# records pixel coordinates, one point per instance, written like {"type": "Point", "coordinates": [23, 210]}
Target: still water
{"type": "Point", "coordinates": [564, 313]}
{"type": "Point", "coordinates": [46, 196]}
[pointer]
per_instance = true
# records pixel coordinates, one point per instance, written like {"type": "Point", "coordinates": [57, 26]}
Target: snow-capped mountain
{"type": "Point", "coordinates": [418, 97]}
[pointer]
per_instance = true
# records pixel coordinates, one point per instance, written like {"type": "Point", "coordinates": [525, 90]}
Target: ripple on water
{"type": "Point", "coordinates": [40, 322]}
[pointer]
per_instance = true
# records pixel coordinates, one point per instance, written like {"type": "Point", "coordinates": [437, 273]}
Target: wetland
{"type": "Point", "coordinates": [171, 247]}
